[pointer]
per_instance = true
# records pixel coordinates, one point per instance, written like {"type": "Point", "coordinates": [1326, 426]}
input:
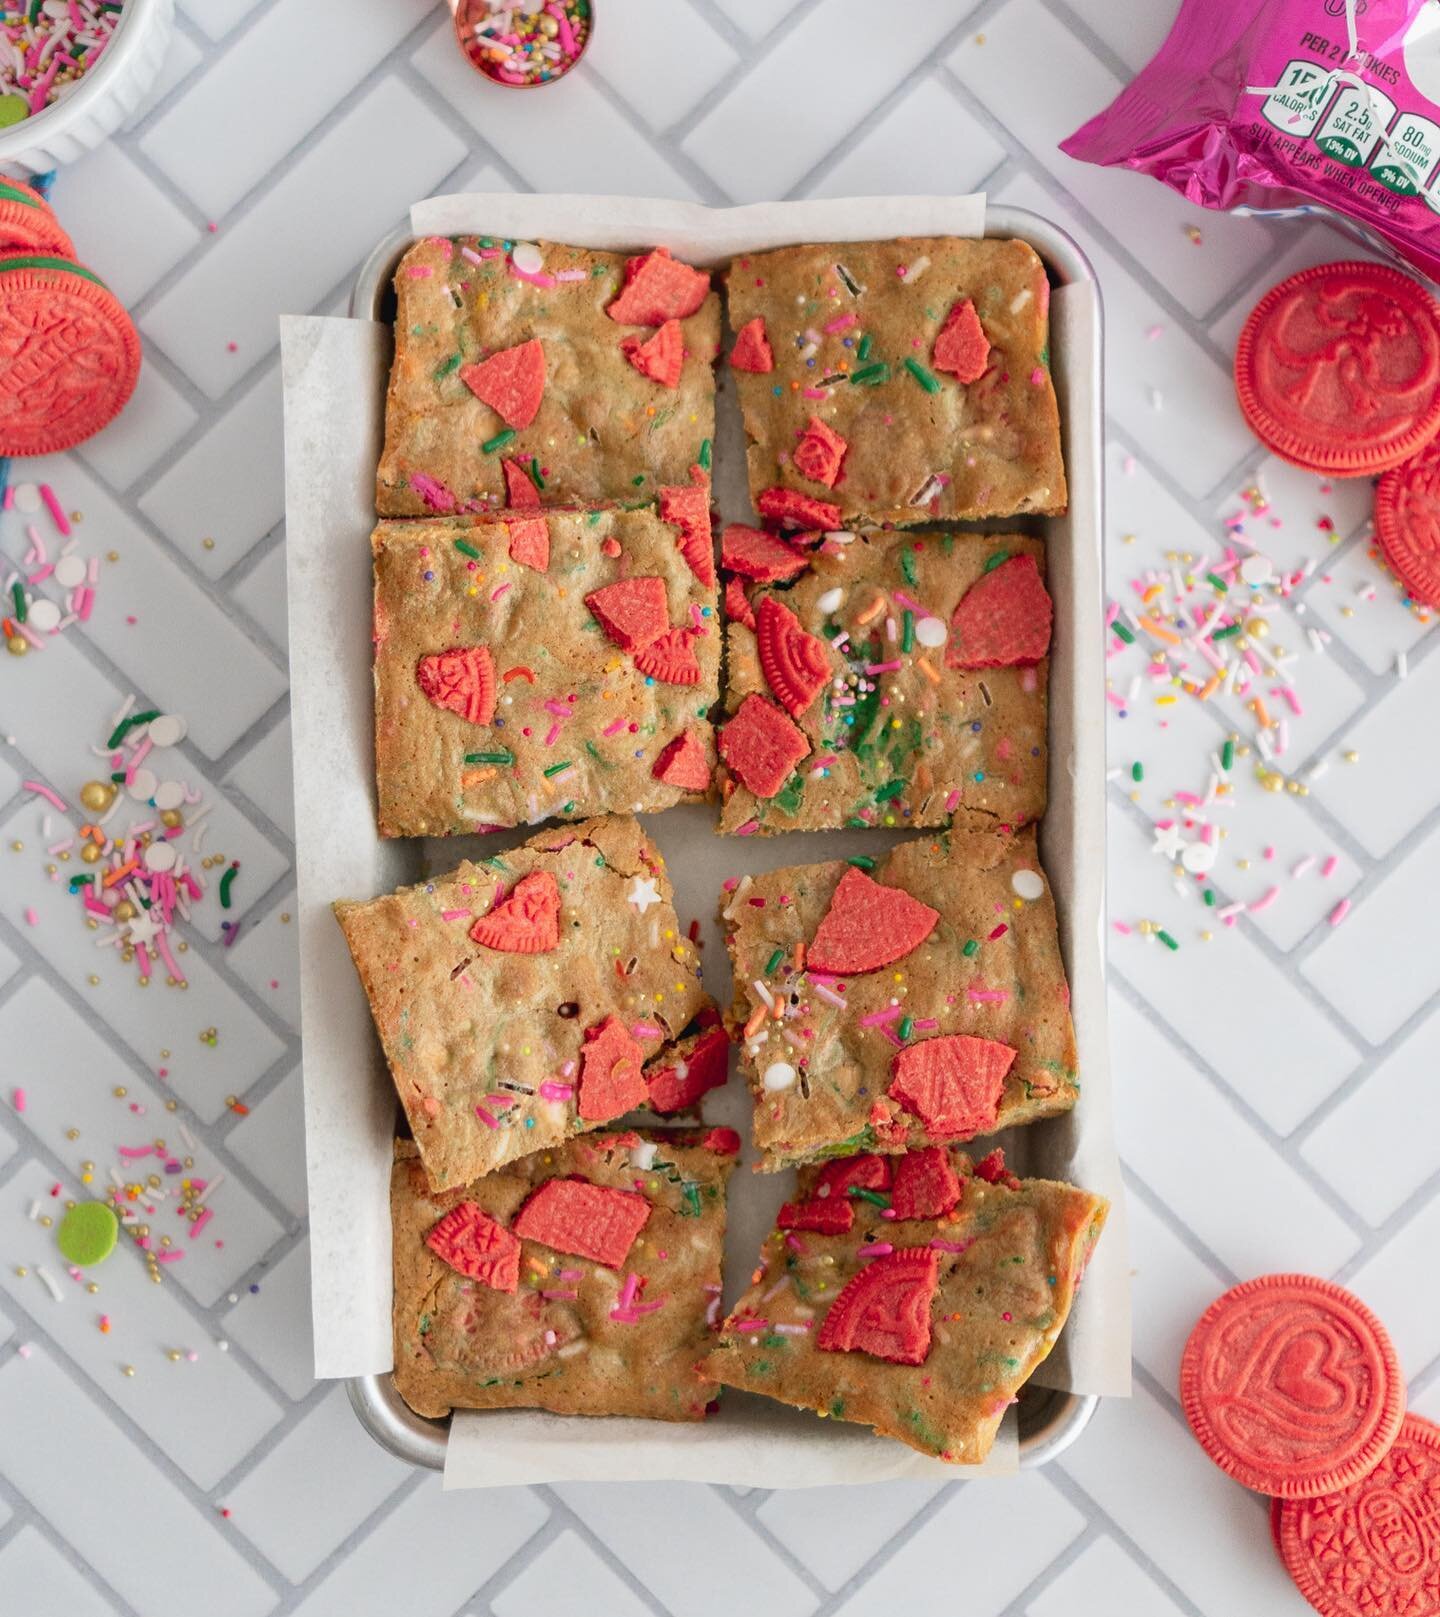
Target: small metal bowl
{"type": "Point", "coordinates": [466, 12]}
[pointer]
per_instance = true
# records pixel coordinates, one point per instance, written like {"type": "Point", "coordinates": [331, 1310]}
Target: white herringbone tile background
{"type": "Point", "coordinates": [1278, 1102]}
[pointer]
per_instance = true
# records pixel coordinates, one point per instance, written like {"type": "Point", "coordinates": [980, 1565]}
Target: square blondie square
{"type": "Point", "coordinates": [538, 374]}
{"type": "Point", "coordinates": [556, 664]}
{"type": "Point", "coordinates": [583, 1279]}
{"type": "Point", "coordinates": [530, 997]}
{"type": "Point", "coordinates": [883, 1006]}
{"type": "Point", "coordinates": [884, 679]}
{"type": "Point", "coordinates": [912, 1294]}
{"type": "Point", "coordinates": [896, 381]}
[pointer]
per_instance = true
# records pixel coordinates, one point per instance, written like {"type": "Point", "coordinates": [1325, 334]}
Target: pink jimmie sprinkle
{"type": "Point", "coordinates": [1341, 910]}
{"type": "Point", "coordinates": [874, 1249]}
{"type": "Point", "coordinates": [486, 1118]}
{"type": "Point", "coordinates": [200, 1223]}
{"type": "Point", "coordinates": [880, 1018]}
{"type": "Point", "coordinates": [31, 918]}
{"type": "Point", "coordinates": [1331, 865]}
{"type": "Point", "coordinates": [950, 1246]}
{"type": "Point", "coordinates": [19, 1100]}
{"type": "Point", "coordinates": [988, 996]}
{"type": "Point", "coordinates": [841, 322]}
{"type": "Point", "coordinates": [647, 1030]}
{"type": "Point", "coordinates": [1265, 900]}
{"type": "Point", "coordinates": [455, 915]}
{"type": "Point", "coordinates": [748, 1324]}
{"type": "Point", "coordinates": [52, 505]}
{"type": "Point", "coordinates": [52, 798]}
{"type": "Point", "coordinates": [535, 277]}
{"type": "Point", "coordinates": [553, 1091]}
{"type": "Point", "coordinates": [883, 668]}
{"type": "Point", "coordinates": [610, 729]}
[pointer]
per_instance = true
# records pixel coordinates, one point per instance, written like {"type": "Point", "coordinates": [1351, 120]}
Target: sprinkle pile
{"type": "Point", "coordinates": [139, 881]}
{"type": "Point", "coordinates": [46, 47]}
{"type": "Point", "coordinates": [1208, 628]}
{"type": "Point", "coordinates": [30, 615]}
{"type": "Point", "coordinates": [515, 46]}
{"type": "Point", "coordinates": [149, 1190]}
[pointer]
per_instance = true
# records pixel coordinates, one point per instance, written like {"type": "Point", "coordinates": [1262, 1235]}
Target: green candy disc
{"type": "Point", "coordinates": [87, 1234]}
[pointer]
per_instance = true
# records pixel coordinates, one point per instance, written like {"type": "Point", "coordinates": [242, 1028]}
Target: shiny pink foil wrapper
{"type": "Point", "coordinates": [1368, 151]}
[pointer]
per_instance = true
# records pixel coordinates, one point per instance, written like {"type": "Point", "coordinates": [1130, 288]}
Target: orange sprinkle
{"type": "Point", "coordinates": [1262, 713]}
{"type": "Point", "coordinates": [800, 955]}
{"type": "Point", "coordinates": [923, 665]}
{"type": "Point", "coordinates": [1151, 593]}
{"type": "Point", "coordinates": [873, 611]}
{"type": "Point", "coordinates": [756, 1022]}
{"type": "Point", "coordinates": [120, 873]}
{"type": "Point", "coordinates": [1159, 631]}
{"type": "Point", "coordinates": [1208, 689]}
{"type": "Point", "coordinates": [473, 777]}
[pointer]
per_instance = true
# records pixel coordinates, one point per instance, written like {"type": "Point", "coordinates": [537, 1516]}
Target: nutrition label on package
{"type": "Point", "coordinates": [1352, 126]}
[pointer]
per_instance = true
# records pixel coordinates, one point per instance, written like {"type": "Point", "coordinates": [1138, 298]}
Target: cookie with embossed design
{"type": "Point", "coordinates": [27, 224]}
{"type": "Point", "coordinates": [1291, 1386]}
{"type": "Point", "coordinates": [1407, 523]}
{"type": "Point", "coordinates": [1338, 369]}
{"type": "Point", "coordinates": [1372, 1549]}
{"type": "Point", "coordinates": [69, 355]}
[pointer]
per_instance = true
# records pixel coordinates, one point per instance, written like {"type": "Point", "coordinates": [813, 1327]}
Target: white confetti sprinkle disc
{"type": "Point", "coordinates": [160, 856]}
{"type": "Point", "coordinates": [642, 1156]}
{"type": "Point", "coordinates": [27, 497]}
{"type": "Point", "coordinates": [169, 794]}
{"type": "Point", "coordinates": [779, 1075]}
{"type": "Point", "coordinates": [1198, 857]}
{"type": "Point", "coordinates": [930, 632]}
{"type": "Point", "coordinates": [167, 730]}
{"type": "Point", "coordinates": [528, 258]}
{"type": "Point", "coordinates": [1028, 884]}
{"type": "Point", "coordinates": [830, 600]}
{"type": "Point", "coordinates": [142, 785]}
{"type": "Point", "coordinates": [70, 572]}
{"type": "Point", "coordinates": [44, 615]}
{"type": "Point", "coordinates": [1256, 569]}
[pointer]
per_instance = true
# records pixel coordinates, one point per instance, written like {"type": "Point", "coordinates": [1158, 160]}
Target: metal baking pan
{"type": "Point", "coordinates": [1050, 1420]}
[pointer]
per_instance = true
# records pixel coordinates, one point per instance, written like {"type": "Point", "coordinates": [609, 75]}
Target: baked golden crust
{"type": "Point", "coordinates": [577, 726]}
{"type": "Point", "coordinates": [921, 447]}
{"type": "Point", "coordinates": [472, 1033]}
{"type": "Point", "coordinates": [603, 431]}
{"type": "Point", "coordinates": [563, 1341]}
{"type": "Point", "coordinates": [990, 969]}
{"type": "Point", "coordinates": [1009, 1259]}
{"type": "Point", "coordinates": [919, 743]}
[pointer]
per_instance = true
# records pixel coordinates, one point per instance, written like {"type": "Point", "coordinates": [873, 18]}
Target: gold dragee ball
{"type": "Point", "coordinates": [90, 853]}
{"type": "Point", "coordinates": [124, 910]}
{"type": "Point", "coordinates": [97, 795]}
{"type": "Point", "coordinates": [1257, 628]}
{"type": "Point", "coordinates": [170, 817]}
{"type": "Point", "coordinates": [17, 645]}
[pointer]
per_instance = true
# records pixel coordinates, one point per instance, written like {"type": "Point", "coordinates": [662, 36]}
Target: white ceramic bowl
{"type": "Point", "coordinates": [108, 96]}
